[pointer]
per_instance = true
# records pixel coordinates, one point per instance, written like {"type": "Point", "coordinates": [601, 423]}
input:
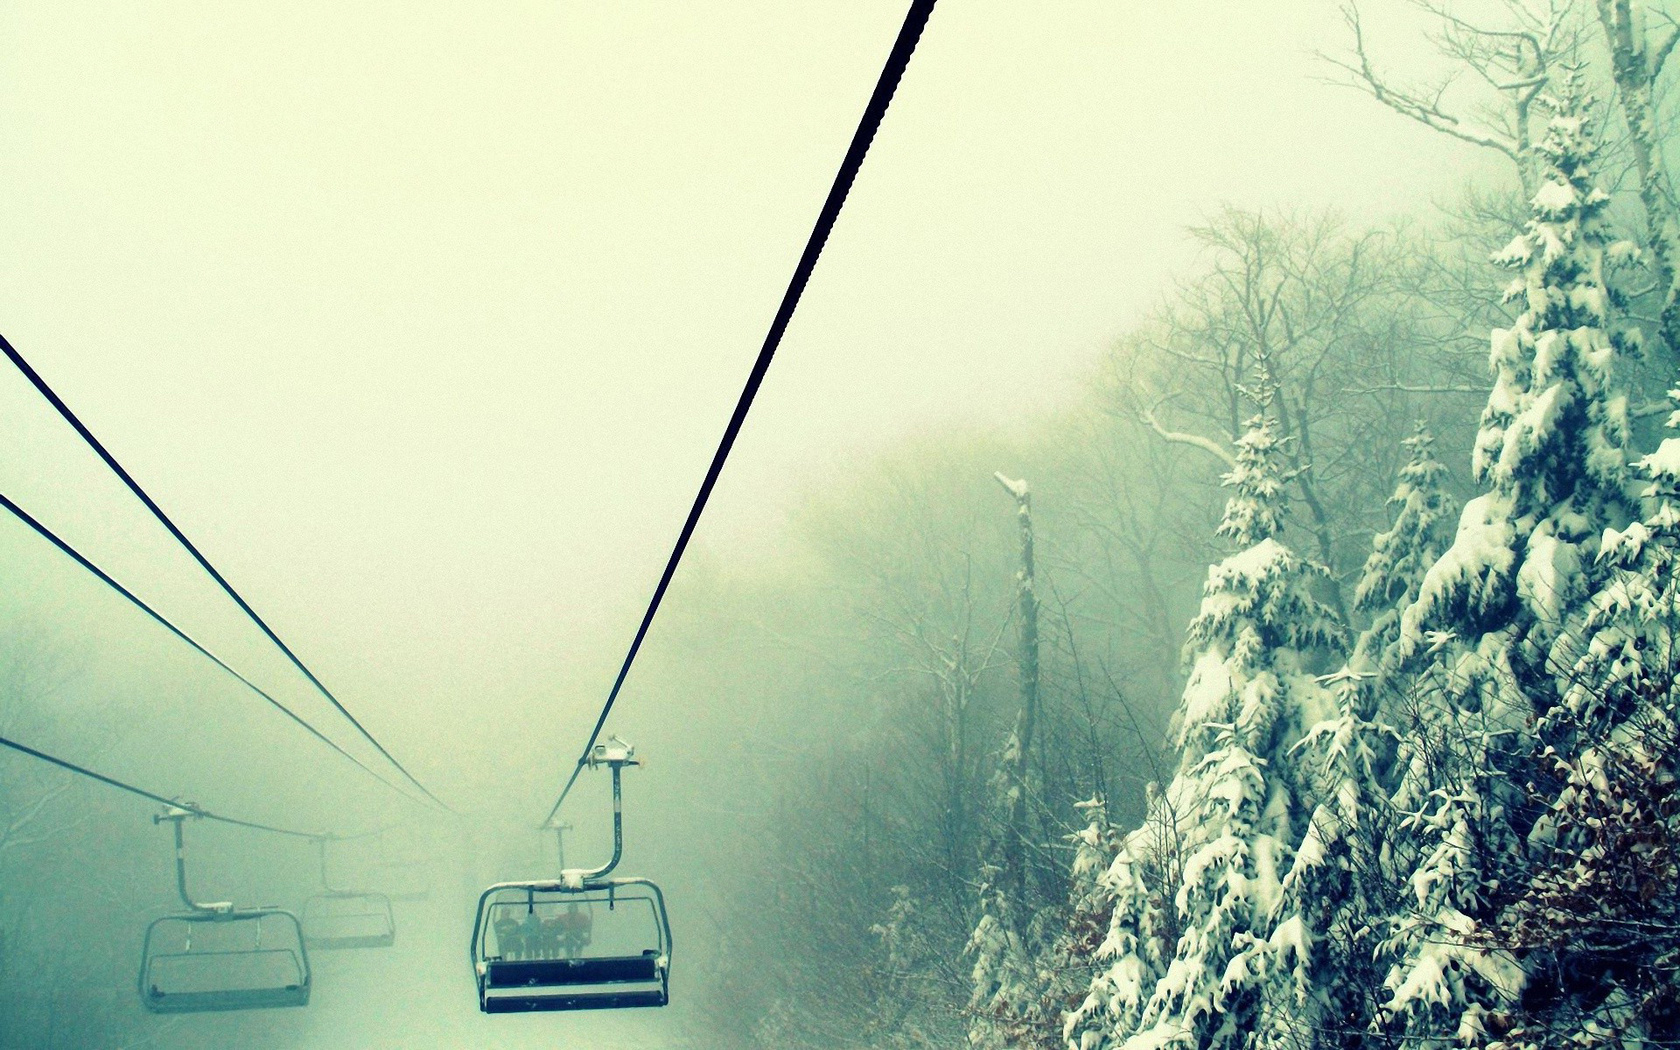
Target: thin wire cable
{"type": "Point", "coordinates": [328, 836]}
{"type": "Point", "coordinates": [908, 35]}
{"type": "Point", "coordinates": [191, 807]}
{"type": "Point", "coordinates": [139, 603]}
{"type": "Point", "coordinates": [204, 563]}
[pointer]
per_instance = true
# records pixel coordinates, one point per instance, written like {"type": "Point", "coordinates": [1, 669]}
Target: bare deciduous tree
{"type": "Point", "coordinates": [1513, 57]}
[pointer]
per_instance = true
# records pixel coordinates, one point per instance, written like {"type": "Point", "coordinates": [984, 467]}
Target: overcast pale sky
{"type": "Point", "coordinates": [424, 318]}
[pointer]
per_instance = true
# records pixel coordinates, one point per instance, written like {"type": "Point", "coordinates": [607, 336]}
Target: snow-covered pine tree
{"type": "Point", "coordinates": [1025, 1006]}
{"type": "Point", "coordinates": [1601, 905]}
{"type": "Point", "coordinates": [1339, 889]}
{"type": "Point", "coordinates": [1231, 820]}
{"type": "Point", "coordinates": [1551, 454]}
{"type": "Point", "coordinates": [913, 962]}
{"type": "Point", "coordinates": [1073, 958]}
{"type": "Point", "coordinates": [1424, 512]}
{"type": "Point", "coordinates": [1140, 934]}
{"type": "Point", "coordinates": [1006, 993]}
{"type": "Point", "coordinates": [1326, 926]}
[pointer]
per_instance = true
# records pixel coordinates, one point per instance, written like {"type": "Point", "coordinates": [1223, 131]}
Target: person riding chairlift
{"type": "Point", "coordinates": [508, 940]}
{"type": "Point", "coordinates": [531, 933]}
{"type": "Point", "coordinates": [576, 929]}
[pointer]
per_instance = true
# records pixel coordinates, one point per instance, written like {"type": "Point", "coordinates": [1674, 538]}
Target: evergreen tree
{"type": "Point", "coordinates": [1026, 1006]}
{"type": "Point", "coordinates": [1481, 633]}
{"type": "Point", "coordinates": [1075, 956]}
{"type": "Point", "coordinates": [1137, 937]}
{"type": "Point", "coordinates": [1337, 891]}
{"type": "Point", "coordinates": [1230, 816]}
{"type": "Point", "coordinates": [1006, 995]}
{"type": "Point", "coordinates": [1140, 933]}
{"type": "Point", "coordinates": [1394, 571]}
{"type": "Point", "coordinates": [1600, 908]}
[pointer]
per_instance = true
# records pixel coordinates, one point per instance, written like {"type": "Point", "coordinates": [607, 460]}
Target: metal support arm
{"type": "Point", "coordinates": [615, 755]}
{"type": "Point", "coordinates": [178, 816]}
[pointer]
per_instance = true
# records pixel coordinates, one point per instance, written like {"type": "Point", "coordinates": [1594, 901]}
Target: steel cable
{"type": "Point", "coordinates": [191, 807]}
{"type": "Point", "coordinates": [899, 58]}
{"type": "Point", "coordinates": [140, 603]}
{"type": "Point", "coordinates": [204, 563]}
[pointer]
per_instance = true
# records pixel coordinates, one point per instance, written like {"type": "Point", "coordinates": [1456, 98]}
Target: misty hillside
{"type": "Point", "coordinates": [1190, 568]}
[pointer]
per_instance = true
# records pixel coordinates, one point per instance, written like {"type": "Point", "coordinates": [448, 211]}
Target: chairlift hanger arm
{"type": "Point", "coordinates": [324, 841]}
{"type": "Point", "coordinates": [178, 816]}
{"type": "Point", "coordinates": [621, 757]}
{"type": "Point", "coordinates": [321, 853]}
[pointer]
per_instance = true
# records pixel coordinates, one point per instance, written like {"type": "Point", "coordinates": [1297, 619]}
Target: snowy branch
{"type": "Point", "coordinates": [1660, 53]}
{"type": "Point", "coordinates": [1411, 388]}
{"type": "Point", "coordinates": [12, 834]}
{"type": "Point", "coordinates": [1018, 489]}
{"type": "Point", "coordinates": [1659, 407]}
{"type": "Point", "coordinates": [1178, 437]}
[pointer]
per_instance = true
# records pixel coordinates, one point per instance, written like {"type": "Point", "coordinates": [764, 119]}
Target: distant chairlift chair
{"type": "Point", "coordinates": [216, 957]}
{"type": "Point", "coordinates": [340, 919]}
{"type": "Point", "coordinates": [581, 942]}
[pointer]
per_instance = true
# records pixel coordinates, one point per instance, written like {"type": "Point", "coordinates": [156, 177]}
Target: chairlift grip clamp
{"type": "Point", "coordinates": [614, 752]}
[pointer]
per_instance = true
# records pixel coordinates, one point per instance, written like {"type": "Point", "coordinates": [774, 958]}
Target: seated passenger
{"type": "Point", "coordinates": [530, 932]}
{"type": "Point", "coordinates": [551, 938]}
{"type": "Point", "coordinates": [576, 930]}
{"type": "Point", "coordinates": [508, 941]}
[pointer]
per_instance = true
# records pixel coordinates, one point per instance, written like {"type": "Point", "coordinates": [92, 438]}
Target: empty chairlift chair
{"type": "Point", "coordinates": [217, 956]}
{"type": "Point", "coordinates": [580, 942]}
{"type": "Point", "coordinates": [341, 919]}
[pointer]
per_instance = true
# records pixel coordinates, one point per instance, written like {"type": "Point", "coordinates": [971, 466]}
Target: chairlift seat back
{"type": "Point", "coordinates": [229, 967]}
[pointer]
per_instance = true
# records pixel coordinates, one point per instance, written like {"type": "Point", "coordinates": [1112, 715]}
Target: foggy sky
{"type": "Point", "coordinates": [423, 319]}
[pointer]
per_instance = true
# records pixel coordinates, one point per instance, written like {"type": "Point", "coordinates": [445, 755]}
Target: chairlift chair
{"type": "Point", "coordinates": [335, 919]}
{"type": "Point", "coordinates": [580, 942]}
{"type": "Point", "coordinates": [216, 957]}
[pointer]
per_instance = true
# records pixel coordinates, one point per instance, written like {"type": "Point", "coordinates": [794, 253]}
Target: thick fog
{"type": "Point", "coordinates": [423, 320]}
